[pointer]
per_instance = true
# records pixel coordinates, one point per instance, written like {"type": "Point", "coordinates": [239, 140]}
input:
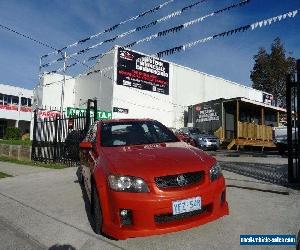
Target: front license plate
{"type": "Point", "coordinates": [187, 205]}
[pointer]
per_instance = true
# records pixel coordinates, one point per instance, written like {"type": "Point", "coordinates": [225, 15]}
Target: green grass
{"type": "Point", "coordinates": [33, 163]}
{"type": "Point", "coordinates": [16, 142]}
{"type": "Point", "coordinates": [3, 175]}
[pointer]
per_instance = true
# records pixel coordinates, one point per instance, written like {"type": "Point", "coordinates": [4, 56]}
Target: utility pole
{"type": "Point", "coordinates": [63, 86]}
{"type": "Point", "coordinates": [20, 94]}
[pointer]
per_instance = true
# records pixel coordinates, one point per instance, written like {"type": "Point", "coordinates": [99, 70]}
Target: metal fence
{"type": "Point", "coordinates": [57, 139]}
{"type": "Point", "coordinates": [293, 127]}
{"type": "Point", "coordinates": [275, 174]}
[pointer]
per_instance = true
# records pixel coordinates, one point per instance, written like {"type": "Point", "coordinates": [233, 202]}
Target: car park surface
{"type": "Point", "coordinates": [51, 209]}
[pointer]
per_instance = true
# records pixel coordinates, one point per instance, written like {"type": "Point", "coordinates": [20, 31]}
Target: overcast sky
{"type": "Point", "coordinates": [62, 22]}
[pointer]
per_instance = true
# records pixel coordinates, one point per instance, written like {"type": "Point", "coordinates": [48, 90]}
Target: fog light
{"type": "Point", "coordinates": [126, 217]}
{"type": "Point", "coordinates": [123, 212]}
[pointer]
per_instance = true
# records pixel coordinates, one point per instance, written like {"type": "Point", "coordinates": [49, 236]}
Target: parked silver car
{"type": "Point", "coordinates": [206, 141]}
{"type": "Point", "coordinates": [203, 141]}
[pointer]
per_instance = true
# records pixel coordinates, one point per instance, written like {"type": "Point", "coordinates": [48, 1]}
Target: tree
{"type": "Point", "coordinates": [270, 71]}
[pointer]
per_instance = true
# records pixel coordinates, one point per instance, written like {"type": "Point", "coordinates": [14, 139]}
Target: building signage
{"type": "Point", "coordinates": [206, 113]}
{"type": "Point", "coordinates": [102, 115]}
{"type": "Point", "coordinates": [268, 99]}
{"type": "Point", "coordinates": [15, 108]}
{"type": "Point", "coordinates": [142, 72]}
{"type": "Point", "coordinates": [26, 109]}
{"type": "Point", "coordinates": [9, 107]}
{"type": "Point", "coordinates": [120, 110]}
{"type": "Point", "coordinates": [46, 114]}
{"type": "Point", "coordinates": [208, 116]}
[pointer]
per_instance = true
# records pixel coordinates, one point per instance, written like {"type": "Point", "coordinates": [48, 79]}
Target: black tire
{"type": "Point", "coordinates": [281, 149]}
{"type": "Point", "coordinates": [80, 176]}
{"type": "Point", "coordinates": [96, 211]}
{"type": "Point", "coordinates": [298, 241]}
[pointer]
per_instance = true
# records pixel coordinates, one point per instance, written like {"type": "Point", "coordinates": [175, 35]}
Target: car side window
{"type": "Point", "coordinates": [162, 135]}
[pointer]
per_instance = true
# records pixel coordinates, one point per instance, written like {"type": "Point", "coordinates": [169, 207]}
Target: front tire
{"type": "Point", "coordinates": [80, 175]}
{"type": "Point", "coordinates": [96, 211]}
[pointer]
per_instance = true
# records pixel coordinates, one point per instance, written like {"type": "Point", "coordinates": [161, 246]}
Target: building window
{"type": "Point", "coordinates": [7, 99]}
{"type": "Point", "coordinates": [23, 101]}
{"type": "Point", "coordinates": [29, 102]}
{"type": "Point", "coordinates": [15, 100]}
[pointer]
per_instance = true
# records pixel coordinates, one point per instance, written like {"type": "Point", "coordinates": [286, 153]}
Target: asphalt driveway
{"type": "Point", "coordinates": [47, 209]}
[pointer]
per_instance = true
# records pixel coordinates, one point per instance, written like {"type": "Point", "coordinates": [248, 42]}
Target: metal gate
{"type": "Point", "coordinates": [57, 139]}
{"type": "Point", "coordinates": [293, 127]}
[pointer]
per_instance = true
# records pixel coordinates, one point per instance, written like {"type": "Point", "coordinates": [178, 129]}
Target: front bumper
{"type": "Point", "coordinates": [209, 145]}
{"type": "Point", "coordinates": [152, 213]}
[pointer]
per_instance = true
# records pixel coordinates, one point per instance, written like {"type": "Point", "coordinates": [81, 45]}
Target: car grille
{"type": "Point", "coordinates": [179, 180]}
{"type": "Point", "coordinates": [163, 218]}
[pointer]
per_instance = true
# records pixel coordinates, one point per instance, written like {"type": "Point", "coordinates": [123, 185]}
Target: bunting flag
{"type": "Point", "coordinates": [180, 48]}
{"type": "Point", "coordinates": [275, 19]}
{"type": "Point", "coordinates": [75, 63]}
{"type": "Point", "coordinates": [259, 24]}
{"type": "Point", "coordinates": [187, 24]}
{"type": "Point", "coordinates": [111, 28]}
{"type": "Point", "coordinates": [139, 28]}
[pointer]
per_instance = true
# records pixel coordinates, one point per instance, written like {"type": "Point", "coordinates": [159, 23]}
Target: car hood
{"type": "Point", "coordinates": [149, 161]}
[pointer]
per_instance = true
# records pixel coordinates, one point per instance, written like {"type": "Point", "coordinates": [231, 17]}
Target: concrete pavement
{"type": "Point", "coordinates": [13, 238]}
{"type": "Point", "coordinates": [48, 206]}
{"type": "Point", "coordinates": [18, 169]}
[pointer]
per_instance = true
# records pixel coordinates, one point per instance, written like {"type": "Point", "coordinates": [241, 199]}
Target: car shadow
{"type": "Point", "coordinates": [87, 204]}
{"type": "Point", "coordinates": [62, 247]}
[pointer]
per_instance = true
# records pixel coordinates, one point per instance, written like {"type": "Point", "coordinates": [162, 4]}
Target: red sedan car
{"type": "Point", "coordinates": [142, 180]}
{"type": "Point", "coordinates": [185, 138]}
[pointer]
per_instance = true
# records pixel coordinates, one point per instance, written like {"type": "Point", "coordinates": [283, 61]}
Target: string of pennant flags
{"type": "Point", "coordinates": [177, 49]}
{"type": "Point", "coordinates": [122, 35]}
{"type": "Point", "coordinates": [139, 28]}
{"type": "Point", "coordinates": [99, 56]}
{"type": "Point", "coordinates": [253, 26]}
{"type": "Point", "coordinates": [185, 25]}
{"type": "Point", "coordinates": [149, 38]}
{"type": "Point", "coordinates": [110, 29]}
{"type": "Point", "coordinates": [89, 72]}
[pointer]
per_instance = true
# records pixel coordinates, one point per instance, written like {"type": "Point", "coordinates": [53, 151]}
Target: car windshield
{"type": "Point", "coordinates": [194, 131]}
{"type": "Point", "coordinates": [115, 134]}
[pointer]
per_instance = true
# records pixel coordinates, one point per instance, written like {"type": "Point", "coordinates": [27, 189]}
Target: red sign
{"type": "Point", "coordinates": [15, 108]}
{"type": "Point", "coordinates": [42, 114]}
{"type": "Point", "coordinates": [9, 107]}
{"type": "Point", "coordinates": [26, 109]}
{"type": "Point", "coordinates": [198, 108]}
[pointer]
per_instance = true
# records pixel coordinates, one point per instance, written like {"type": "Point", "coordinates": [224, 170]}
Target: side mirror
{"type": "Point", "coordinates": [86, 145]}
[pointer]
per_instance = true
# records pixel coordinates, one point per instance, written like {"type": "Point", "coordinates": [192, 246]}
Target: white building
{"type": "Point", "coordinates": [134, 85]}
{"type": "Point", "coordinates": [15, 108]}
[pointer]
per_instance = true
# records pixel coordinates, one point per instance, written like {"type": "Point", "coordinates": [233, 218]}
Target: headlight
{"type": "Point", "coordinates": [127, 184]}
{"type": "Point", "coordinates": [215, 172]}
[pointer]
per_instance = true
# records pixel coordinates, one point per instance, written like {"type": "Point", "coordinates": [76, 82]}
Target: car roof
{"type": "Point", "coordinates": [124, 120]}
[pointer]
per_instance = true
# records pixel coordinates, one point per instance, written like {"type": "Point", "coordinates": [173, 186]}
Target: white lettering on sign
{"type": "Point", "coordinates": [151, 65]}
{"type": "Point", "coordinates": [207, 115]}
